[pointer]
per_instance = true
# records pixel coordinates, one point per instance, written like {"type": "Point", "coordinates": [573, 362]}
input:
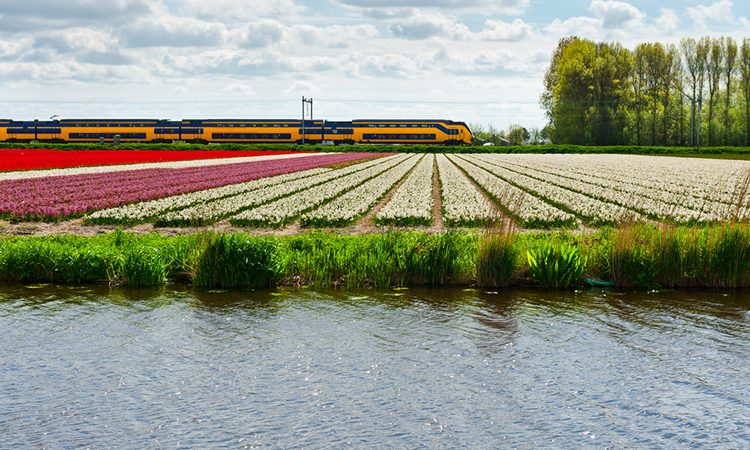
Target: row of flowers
{"type": "Point", "coordinates": [287, 209]}
{"type": "Point", "coordinates": [212, 211]}
{"type": "Point", "coordinates": [688, 179]}
{"type": "Point", "coordinates": [594, 211]}
{"type": "Point", "coordinates": [661, 204]}
{"type": "Point", "coordinates": [529, 210]}
{"type": "Point", "coordinates": [35, 159]}
{"type": "Point", "coordinates": [462, 204]}
{"type": "Point", "coordinates": [180, 164]}
{"type": "Point", "coordinates": [165, 207]}
{"type": "Point", "coordinates": [346, 208]}
{"type": "Point", "coordinates": [64, 196]}
{"type": "Point", "coordinates": [412, 203]}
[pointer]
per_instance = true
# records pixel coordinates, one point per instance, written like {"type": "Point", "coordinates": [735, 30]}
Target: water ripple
{"type": "Point", "coordinates": [105, 368]}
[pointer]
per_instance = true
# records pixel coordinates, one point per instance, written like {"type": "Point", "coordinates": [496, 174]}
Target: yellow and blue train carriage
{"type": "Point", "coordinates": [238, 131]}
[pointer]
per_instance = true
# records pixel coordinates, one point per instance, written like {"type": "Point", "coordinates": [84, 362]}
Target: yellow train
{"type": "Point", "coordinates": [238, 131]}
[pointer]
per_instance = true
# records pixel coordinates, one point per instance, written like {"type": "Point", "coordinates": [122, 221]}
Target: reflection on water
{"type": "Point", "coordinates": [99, 367]}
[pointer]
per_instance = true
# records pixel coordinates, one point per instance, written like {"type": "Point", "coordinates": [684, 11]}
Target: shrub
{"type": "Point", "coordinates": [557, 266]}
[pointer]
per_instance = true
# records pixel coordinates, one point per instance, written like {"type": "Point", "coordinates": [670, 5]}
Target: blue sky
{"type": "Point", "coordinates": [481, 61]}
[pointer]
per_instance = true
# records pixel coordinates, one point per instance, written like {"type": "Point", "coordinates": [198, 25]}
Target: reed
{"type": "Point", "coordinates": [556, 265]}
{"type": "Point", "coordinates": [497, 258]}
{"type": "Point", "coordinates": [379, 260]}
{"type": "Point", "coordinates": [236, 261]}
{"type": "Point", "coordinates": [634, 256]}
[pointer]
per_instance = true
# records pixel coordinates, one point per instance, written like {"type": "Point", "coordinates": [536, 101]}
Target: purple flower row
{"type": "Point", "coordinates": [62, 196]}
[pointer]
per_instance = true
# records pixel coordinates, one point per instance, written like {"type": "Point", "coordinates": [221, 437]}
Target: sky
{"type": "Point", "coordinates": [478, 61]}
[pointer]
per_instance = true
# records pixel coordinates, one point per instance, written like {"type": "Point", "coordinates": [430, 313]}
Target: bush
{"type": "Point", "coordinates": [556, 266]}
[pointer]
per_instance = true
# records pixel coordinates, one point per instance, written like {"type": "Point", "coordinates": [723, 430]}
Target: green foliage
{"type": "Point", "coordinates": [556, 266]}
{"type": "Point", "coordinates": [145, 266]}
{"type": "Point", "coordinates": [497, 259]}
{"type": "Point", "coordinates": [637, 256]}
{"type": "Point", "coordinates": [236, 261]}
{"type": "Point", "coordinates": [378, 260]}
{"type": "Point", "coordinates": [599, 93]}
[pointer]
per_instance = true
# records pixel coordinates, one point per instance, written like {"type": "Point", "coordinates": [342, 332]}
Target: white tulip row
{"type": "Point", "coordinates": [660, 205]}
{"type": "Point", "coordinates": [144, 211]}
{"type": "Point", "coordinates": [286, 209]}
{"type": "Point", "coordinates": [463, 204]}
{"type": "Point", "coordinates": [412, 203]}
{"type": "Point", "coordinates": [530, 210]}
{"type": "Point", "coordinates": [348, 207]}
{"type": "Point", "coordinates": [27, 174]}
{"type": "Point", "coordinates": [211, 211]}
{"type": "Point", "coordinates": [593, 210]}
{"type": "Point", "coordinates": [659, 198]}
{"type": "Point", "coordinates": [688, 179]}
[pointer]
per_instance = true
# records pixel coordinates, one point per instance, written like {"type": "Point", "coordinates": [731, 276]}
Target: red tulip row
{"type": "Point", "coordinates": [32, 158]}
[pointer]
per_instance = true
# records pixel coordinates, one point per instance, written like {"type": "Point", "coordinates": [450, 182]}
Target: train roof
{"type": "Point", "coordinates": [108, 120]}
{"type": "Point", "coordinates": [251, 120]}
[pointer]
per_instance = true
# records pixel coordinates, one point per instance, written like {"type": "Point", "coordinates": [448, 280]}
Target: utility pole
{"type": "Point", "coordinates": [304, 102]}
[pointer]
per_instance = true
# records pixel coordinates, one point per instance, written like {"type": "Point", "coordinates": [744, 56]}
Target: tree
{"type": "Point", "coordinates": [655, 67]}
{"type": "Point", "coordinates": [586, 92]}
{"type": "Point", "coordinates": [715, 62]}
{"type": "Point", "coordinates": [639, 88]}
{"type": "Point", "coordinates": [669, 68]}
{"type": "Point", "coordinates": [694, 70]}
{"type": "Point", "coordinates": [745, 74]}
{"type": "Point", "coordinates": [730, 58]}
{"type": "Point", "coordinates": [703, 49]}
{"type": "Point", "coordinates": [517, 135]}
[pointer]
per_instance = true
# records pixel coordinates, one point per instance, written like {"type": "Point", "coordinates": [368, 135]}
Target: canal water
{"type": "Point", "coordinates": [99, 367]}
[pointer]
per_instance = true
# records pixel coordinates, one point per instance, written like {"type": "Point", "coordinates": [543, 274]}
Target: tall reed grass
{"type": "Point", "coordinates": [497, 258]}
{"type": "Point", "coordinates": [633, 256]}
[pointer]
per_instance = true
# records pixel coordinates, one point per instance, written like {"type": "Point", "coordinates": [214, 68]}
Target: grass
{"type": "Point", "coordinates": [634, 256]}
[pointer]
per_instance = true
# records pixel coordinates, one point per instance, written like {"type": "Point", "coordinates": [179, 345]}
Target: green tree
{"type": "Point", "coordinates": [745, 82]}
{"type": "Point", "coordinates": [730, 59]}
{"type": "Point", "coordinates": [715, 68]}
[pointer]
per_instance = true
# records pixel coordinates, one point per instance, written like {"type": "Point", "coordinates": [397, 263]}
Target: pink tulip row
{"type": "Point", "coordinates": [58, 197]}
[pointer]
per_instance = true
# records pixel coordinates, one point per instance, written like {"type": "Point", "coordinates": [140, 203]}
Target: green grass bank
{"type": "Point", "coordinates": [630, 257]}
{"type": "Point", "coordinates": [711, 152]}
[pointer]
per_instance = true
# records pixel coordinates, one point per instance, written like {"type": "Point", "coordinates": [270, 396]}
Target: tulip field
{"type": "Point", "coordinates": [275, 190]}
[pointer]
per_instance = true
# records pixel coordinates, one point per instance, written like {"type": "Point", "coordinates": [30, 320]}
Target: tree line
{"type": "Point", "coordinates": [694, 93]}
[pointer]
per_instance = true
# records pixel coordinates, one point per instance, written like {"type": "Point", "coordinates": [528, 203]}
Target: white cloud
{"type": "Point", "coordinates": [668, 21]}
{"type": "Point", "coordinates": [75, 10]}
{"type": "Point", "coordinates": [331, 36]}
{"type": "Point", "coordinates": [580, 26]}
{"type": "Point", "coordinates": [720, 11]}
{"type": "Point", "coordinates": [497, 30]}
{"type": "Point", "coordinates": [241, 10]}
{"type": "Point", "coordinates": [239, 88]}
{"type": "Point", "coordinates": [614, 14]}
{"type": "Point", "coordinates": [514, 7]}
{"type": "Point", "coordinates": [424, 25]}
{"type": "Point", "coordinates": [170, 31]}
{"type": "Point", "coordinates": [261, 33]}
{"type": "Point", "coordinates": [302, 88]}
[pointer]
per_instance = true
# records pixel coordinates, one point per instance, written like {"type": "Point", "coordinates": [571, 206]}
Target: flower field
{"type": "Point", "coordinates": [343, 189]}
{"type": "Point", "coordinates": [35, 159]}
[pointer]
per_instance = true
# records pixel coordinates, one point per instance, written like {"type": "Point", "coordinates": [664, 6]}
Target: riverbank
{"type": "Point", "coordinates": [639, 256]}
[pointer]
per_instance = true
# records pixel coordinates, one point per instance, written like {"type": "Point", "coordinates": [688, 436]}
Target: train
{"type": "Point", "coordinates": [205, 131]}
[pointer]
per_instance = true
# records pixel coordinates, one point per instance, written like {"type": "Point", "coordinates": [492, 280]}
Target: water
{"type": "Point", "coordinates": [93, 367]}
